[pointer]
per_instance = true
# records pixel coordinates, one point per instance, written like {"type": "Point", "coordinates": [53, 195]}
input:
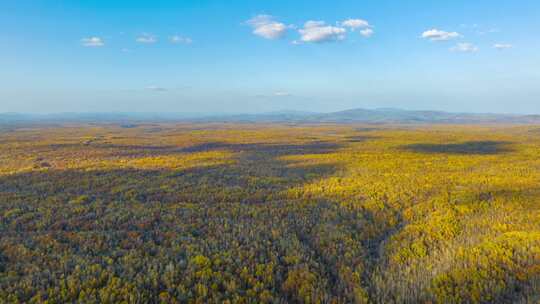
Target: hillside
{"type": "Point", "coordinates": [375, 116]}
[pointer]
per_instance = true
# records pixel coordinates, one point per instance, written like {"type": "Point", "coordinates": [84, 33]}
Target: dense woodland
{"type": "Point", "coordinates": [180, 213]}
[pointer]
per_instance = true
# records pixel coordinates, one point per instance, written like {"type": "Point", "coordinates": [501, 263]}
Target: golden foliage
{"type": "Point", "coordinates": [270, 214]}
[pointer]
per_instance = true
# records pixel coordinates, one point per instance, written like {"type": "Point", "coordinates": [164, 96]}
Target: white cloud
{"type": "Point", "coordinates": [282, 94]}
{"type": "Point", "coordinates": [180, 40]}
{"type": "Point", "coordinates": [355, 23]}
{"type": "Point", "coordinates": [156, 88]}
{"type": "Point", "coordinates": [502, 46]}
{"type": "Point", "coordinates": [465, 48]}
{"type": "Point", "coordinates": [146, 38]}
{"type": "Point", "coordinates": [368, 32]}
{"type": "Point", "coordinates": [318, 31]}
{"type": "Point", "coordinates": [92, 42]}
{"type": "Point", "coordinates": [265, 26]}
{"type": "Point", "coordinates": [438, 35]}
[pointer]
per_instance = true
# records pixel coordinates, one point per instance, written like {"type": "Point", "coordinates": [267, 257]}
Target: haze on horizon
{"type": "Point", "coordinates": [254, 56]}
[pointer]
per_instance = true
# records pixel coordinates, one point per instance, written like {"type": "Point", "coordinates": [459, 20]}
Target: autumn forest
{"type": "Point", "coordinates": [269, 213]}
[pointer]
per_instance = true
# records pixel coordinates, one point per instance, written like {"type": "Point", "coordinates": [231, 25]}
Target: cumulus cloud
{"type": "Point", "coordinates": [311, 32]}
{"type": "Point", "coordinates": [502, 46]}
{"type": "Point", "coordinates": [146, 38]}
{"type": "Point", "coordinates": [92, 42]}
{"type": "Point", "coordinates": [368, 32]}
{"type": "Point", "coordinates": [438, 35]}
{"type": "Point", "coordinates": [465, 48]}
{"type": "Point", "coordinates": [180, 40]}
{"type": "Point", "coordinates": [319, 31]}
{"type": "Point", "coordinates": [355, 23]}
{"type": "Point", "coordinates": [266, 27]}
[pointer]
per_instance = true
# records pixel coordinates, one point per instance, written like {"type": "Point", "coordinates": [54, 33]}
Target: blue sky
{"type": "Point", "coordinates": [256, 56]}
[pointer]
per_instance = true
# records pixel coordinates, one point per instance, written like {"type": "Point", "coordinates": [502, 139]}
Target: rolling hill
{"type": "Point", "coordinates": [370, 116]}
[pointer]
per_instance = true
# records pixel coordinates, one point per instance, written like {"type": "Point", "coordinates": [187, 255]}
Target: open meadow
{"type": "Point", "coordinates": [255, 213]}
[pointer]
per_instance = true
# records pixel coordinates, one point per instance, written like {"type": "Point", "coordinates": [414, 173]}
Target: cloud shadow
{"type": "Point", "coordinates": [466, 148]}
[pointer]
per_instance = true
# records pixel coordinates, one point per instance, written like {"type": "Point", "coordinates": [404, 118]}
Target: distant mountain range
{"type": "Point", "coordinates": [373, 116]}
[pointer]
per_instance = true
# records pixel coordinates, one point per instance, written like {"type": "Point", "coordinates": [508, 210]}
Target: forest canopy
{"type": "Point", "coordinates": [208, 213]}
